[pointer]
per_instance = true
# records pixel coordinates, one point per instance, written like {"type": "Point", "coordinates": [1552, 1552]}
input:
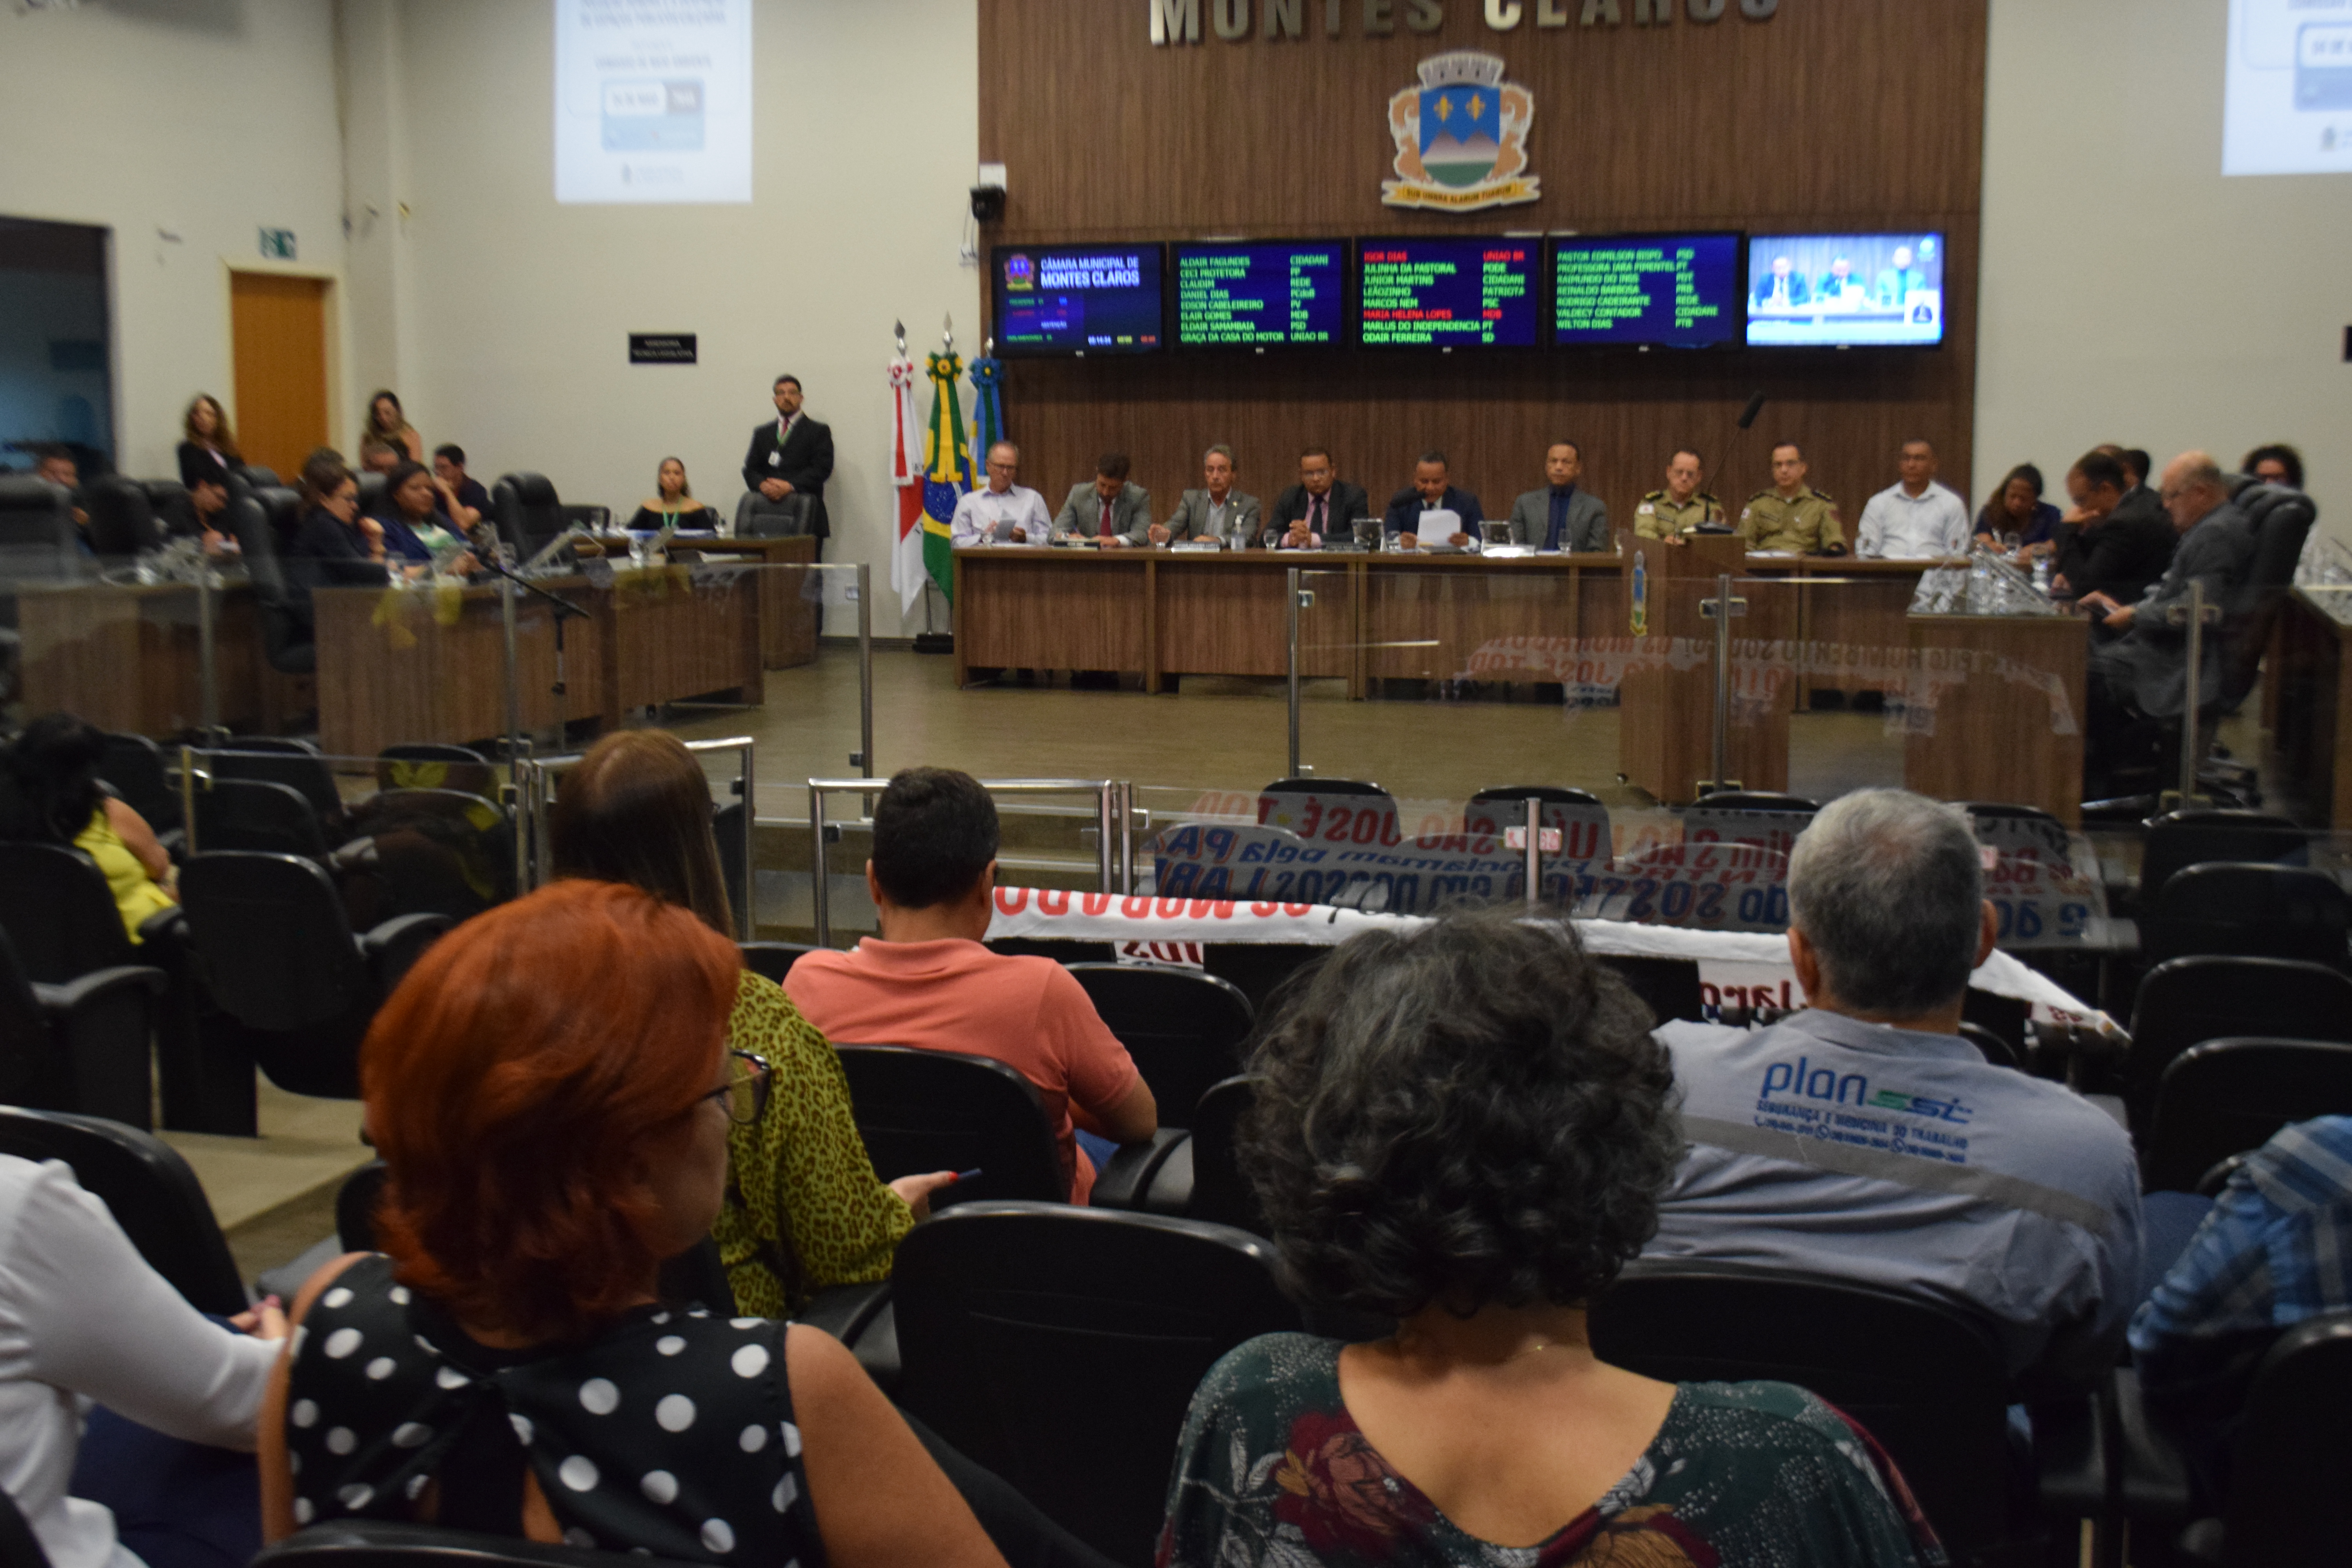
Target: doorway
{"type": "Point", "coordinates": [277, 327]}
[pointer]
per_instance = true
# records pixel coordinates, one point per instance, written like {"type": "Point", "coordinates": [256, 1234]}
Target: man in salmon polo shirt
{"type": "Point", "coordinates": [927, 981]}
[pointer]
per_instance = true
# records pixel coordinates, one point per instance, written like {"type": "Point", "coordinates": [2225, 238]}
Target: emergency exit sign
{"type": "Point", "coordinates": [278, 244]}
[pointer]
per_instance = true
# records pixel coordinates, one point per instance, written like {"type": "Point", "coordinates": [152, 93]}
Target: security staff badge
{"type": "Point", "coordinates": [1461, 137]}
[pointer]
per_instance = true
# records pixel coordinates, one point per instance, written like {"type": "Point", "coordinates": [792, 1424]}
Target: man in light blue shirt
{"type": "Point", "coordinates": [1866, 1140]}
{"type": "Point", "coordinates": [1915, 519]}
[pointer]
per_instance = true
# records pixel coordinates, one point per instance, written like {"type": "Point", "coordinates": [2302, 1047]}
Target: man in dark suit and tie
{"type": "Point", "coordinates": [1109, 511]}
{"type": "Point", "coordinates": [1563, 515]}
{"type": "Point", "coordinates": [1431, 490]}
{"type": "Point", "coordinates": [1783, 285]}
{"type": "Point", "coordinates": [792, 456]}
{"type": "Point", "coordinates": [1320, 505]}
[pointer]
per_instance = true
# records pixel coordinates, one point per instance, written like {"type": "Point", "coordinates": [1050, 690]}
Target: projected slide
{"type": "Point", "coordinates": [1269, 294]}
{"type": "Point", "coordinates": [653, 100]}
{"type": "Point", "coordinates": [1077, 299]}
{"type": "Point", "coordinates": [1837, 290]}
{"type": "Point", "coordinates": [1444, 293]}
{"type": "Point", "coordinates": [1667, 291]}
{"type": "Point", "coordinates": [2287, 100]}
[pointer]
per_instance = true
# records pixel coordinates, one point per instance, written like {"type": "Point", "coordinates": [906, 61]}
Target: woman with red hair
{"type": "Point", "coordinates": [551, 1091]}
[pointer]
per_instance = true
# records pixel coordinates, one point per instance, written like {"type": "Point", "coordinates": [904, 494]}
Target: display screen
{"type": "Point", "coordinates": [1446, 293]}
{"type": "Point", "coordinates": [1670, 291]}
{"type": "Point", "coordinates": [1077, 299]}
{"type": "Point", "coordinates": [2287, 98]}
{"type": "Point", "coordinates": [1289, 294]}
{"type": "Point", "coordinates": [1837, 289]}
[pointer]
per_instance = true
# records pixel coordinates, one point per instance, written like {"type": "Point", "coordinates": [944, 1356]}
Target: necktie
{"type": "Point", "coordinates": [1106, 520]}
{"type": "Point", "coordinates": [1560, 500]}
{"type": "Point", "coordinates": [1315, 518]}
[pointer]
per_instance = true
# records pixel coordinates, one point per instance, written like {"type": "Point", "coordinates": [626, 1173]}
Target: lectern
{"type": "Point", "coordinates": [1667, 709]}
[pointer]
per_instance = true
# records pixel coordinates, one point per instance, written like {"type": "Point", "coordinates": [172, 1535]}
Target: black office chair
{"type": "Point", "coordinates": [281, 509]}
{"type": "Point", "coordinates": [355, 1202]}
{"type": "Point", "coordinates": [529, 512]}
{"type": "Point", "coordinates": [259, 816]}
{"type": "Point", "coordinates": [1996, 1051]}
{"type": "Point", "coordinates": [38, 541]}
{"type": "Point", "coordinates": [425, 851]}
{"type": "Point", "coordinates": [2288, 1502]}
{"type": "Point", "coordinates": [150, 1191]}
{"type": "Point", "coordinates": [1926, 1379]}
{"type": "Point", "coordinates": [1017, 1322]}
{"type": "Point", "coordinates": [2179, 840]}
{"type": "Point", "coordinates": [281, 760]}
{"type": "Point", "coordinates": [282, 961]}
{"type": "Point", "coordinates": [772, 959]}
{"type": "Point", "coordinates": [1577, 812]}
{"type": "Point", "coordinates": [1204, 1181]}
{"type": "Point", "coordinates": [1307, 806]}
{"type": "Point", "coordinates": [1757, 800]}
{"type": "Point", "coordinates": [373, 1544]}
{"type": "Point", "coordinates": [936, 1111]}
{"type": "Point", "coordinates": [424, 765]}
{"type": "Point", "coordinates": [81, 1045]}
{"type": "Point", "coordinates": [258, 477]}
{"type": "Point", "coordinates": [757, 517]}
{"type": "Point", "coordinates": [122, 517]}
{"type": "Point", "coordinates": [264, 525]}
{"type": "Point", "coordinates": [19, 1547]}
{"type": "Point", "coordinates": [1259, 969]}
{"type": "Point", "coordinates": [1185, 1030]}
{"type": "Point", "coordinates": [1670, 986]}
{"type": "Point", "coordinates": [2258, 910]}
{"type": "Point", "coordinates": [2188, 1001]}
{"type": "Point", "coordinates": [2227, 1096]}
{"type": "Point", "coordinates": [1059, 951]}
{"type": "Point", "coordinates": [133, 767]}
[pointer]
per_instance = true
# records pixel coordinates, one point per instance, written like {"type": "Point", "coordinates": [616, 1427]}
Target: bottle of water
{"type": "Point", "coordinates": [2042, 575]}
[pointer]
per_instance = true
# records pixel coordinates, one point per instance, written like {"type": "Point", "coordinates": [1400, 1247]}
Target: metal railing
{"type": "Point", "coordinates": [534, 795]}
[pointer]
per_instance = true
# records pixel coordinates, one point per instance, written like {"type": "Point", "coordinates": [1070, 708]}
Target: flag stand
{"type": "Point", "coordinates": [927, 640]}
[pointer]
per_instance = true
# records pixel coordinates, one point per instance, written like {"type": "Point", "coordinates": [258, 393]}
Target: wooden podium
{"type": "Point", "coordinates": [1666, 717]}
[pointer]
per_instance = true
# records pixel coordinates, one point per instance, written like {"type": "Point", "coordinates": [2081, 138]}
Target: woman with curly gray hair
{"type": "Point", "coordinates": [1465, 1129]}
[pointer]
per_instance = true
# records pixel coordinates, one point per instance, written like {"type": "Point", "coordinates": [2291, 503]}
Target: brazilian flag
{"type": "Point", "coordinates": [947, 470]}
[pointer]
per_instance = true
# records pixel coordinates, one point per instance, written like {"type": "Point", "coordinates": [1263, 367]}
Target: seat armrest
{"type": "Point", "coordinates": [876, 1350]}
{"type": "Point", "coordinates": [1122, 1184]}
{"type": "Point", "coordinates": [2113, 1104]}
{"type": "Point", "coordinates": [390, 948]}
{"type": "Point", "coordinates": [845, 1311]}
{"type": "Point", "coordinates": [1171, 1192]}
{"type": "Point", "coordinates": [2071, 1469]}
{"type": "Point", "coordinates": [83, 989]}
{"type": "Point", "coordinates": [169, 926]}
{"type": "Point", "coordinates": [2152, 1479]}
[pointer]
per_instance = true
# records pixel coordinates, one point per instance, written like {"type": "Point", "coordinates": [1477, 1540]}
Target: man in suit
{"type": "Point", "coordinates": [1563, 515]}
{"type": "Point", "coordinates": [2109, 544]}
{"type": "Point", "coordinates": [792, 456]}
{"type": "Point", "coordinates": [1431, 490]}
{"type": "Point", "coordinates": [1320, 505]}
{"type": "Point", "coordinates": [1107, 510]}
{"type": "Point", "coordinates": [1216, 510]}
{"type": "Point", "coordinates": [1783, 285]}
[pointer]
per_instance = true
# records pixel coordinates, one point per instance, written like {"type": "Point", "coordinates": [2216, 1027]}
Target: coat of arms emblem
{"type": "Point", "coordinates": [1461, 136]}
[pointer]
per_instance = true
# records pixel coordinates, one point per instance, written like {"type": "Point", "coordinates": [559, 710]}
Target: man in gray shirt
{"type": "Point", "coordinates": [1864, 1140]}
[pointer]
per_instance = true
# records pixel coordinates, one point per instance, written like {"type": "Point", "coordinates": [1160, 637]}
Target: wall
{"type": "Point", "coordinates": [210, 118]}
{"type": "Point", "coordinates": [1834, 113]}
{"type": "Point", "coordinates": [2131, 294]}
{"type": "Point", "coordinates": [516, 343]}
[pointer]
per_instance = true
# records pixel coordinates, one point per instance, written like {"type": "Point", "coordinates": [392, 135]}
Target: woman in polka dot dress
{"type": "Point", "coordinates": [550, 1089]}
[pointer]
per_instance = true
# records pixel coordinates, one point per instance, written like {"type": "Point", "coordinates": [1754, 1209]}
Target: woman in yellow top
{"type": "Point", "coordinates": [49, 794]}
{"type": "Point", "coordinates": [804, 1209]}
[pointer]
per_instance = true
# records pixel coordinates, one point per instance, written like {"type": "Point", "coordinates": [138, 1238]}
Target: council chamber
{"type": "Point", "coordinates": [1426, 781]}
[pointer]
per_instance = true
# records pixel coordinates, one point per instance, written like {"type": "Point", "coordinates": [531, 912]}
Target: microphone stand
{"type": "Point", "coordinates": [562, 608]}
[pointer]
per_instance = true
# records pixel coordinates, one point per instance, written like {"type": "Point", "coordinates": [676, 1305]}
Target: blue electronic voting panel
{"type": "Point", "coordinates": [1078, 299]}
{"type": "Point", "coordinates": [1658, 290]}
{"type": "Point", "coordinates": [1267, 293]}
{"type": "Point", "coordinates": [1448, 293]}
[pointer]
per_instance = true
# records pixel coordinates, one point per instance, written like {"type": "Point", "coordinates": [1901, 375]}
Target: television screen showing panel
{"type": "Point", "coordinates": [1077, 299]}
{"type": "Point", "coordinates": [1842, 291]}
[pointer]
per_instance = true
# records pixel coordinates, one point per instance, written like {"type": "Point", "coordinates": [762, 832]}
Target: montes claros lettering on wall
{"type": "Point", "coordinates": [1179, 21]}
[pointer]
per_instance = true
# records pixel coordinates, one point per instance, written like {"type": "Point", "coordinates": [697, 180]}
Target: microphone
{"type": "Point", "coordinates": [1748, 414]}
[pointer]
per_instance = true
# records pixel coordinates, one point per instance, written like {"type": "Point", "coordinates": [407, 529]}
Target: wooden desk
{"type": "Point", "coordinates": [1997, 709]}
{"type": "Point", "coordinates": [429, 664]}
{"type": "Point", "coordinates": [2309, 699]}
{"type": "Point", "coordinates": [1666, 723]}
{"type": "Point", "coordinates": [792, 604]}
{"type": "Point", "coordinates": [128, 658]}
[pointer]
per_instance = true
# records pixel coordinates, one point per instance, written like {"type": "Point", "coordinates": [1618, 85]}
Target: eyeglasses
{"type": "Point", "coordinates": [744, 1095]}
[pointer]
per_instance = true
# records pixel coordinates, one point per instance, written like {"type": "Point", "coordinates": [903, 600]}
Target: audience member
{"type": "Point", "coordinates": [467, 501]}
{"type": "Point", "coordinates": [378, 456]}
{"type": "Point", "coordinates": [155, 1483]}
{"type": "Point", "coordinates": [1111, 511]}
{"type": "Point", "coordinates": [415, 530]}
{"type": "Point", "coordinates": [201, 512]}
{"type": "Point", "coordinates": [804, 1207]}
{"type": "Point", "coordinates": [1916, 517]}
{"type": "Point", "coordinates": [207, 451]}
{"type": "Point", "coordinates": [1216, 510]}
{"type": "Point", "coordinates": [2275, 1251]}
{"type": "Point", "coordinates": [1791, 518]}
{"type": "Point", "coordinates": [1431, 490]}
{"type": "Point", "coordinates": [49, 794]}
{"type": "Point", "coordinates": [1673, 513]}
{"type": "Point", "coordinates": [1003, 510]}
{"type": "Point", "coordinates": [672, 504]}
{"type": "Point", "coordinates": [2020, 509]}
{"type": "Point", "coordinates": [1465, 1128]}
{"type": "Point", "coordinates": [1970, 1183]}
{"type": "Point", "coordinates": [1563, 515]}
{"type": "Point", "coordinates": [792, 456]}
{"type": "Point", "coordinates": [56, 465]}
{"type": "Point", "coordinates": [2277, 463]}
{"type": "Point", "coordinates": [1320, 506]}
{"type": "Point", "coordinates": [387, 424]}
{"type": "Point", "coordinates": [927, 981]}
{"type": "Point", "coordinates": [551, 1089]}
{"type": "Point", "coordinates": [2104, 547]}
{"type": "Point", "coordinates": [334, 540]}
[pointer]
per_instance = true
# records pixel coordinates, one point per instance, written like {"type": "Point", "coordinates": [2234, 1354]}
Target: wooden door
{"type": "Point", "coordinates": [278, 330]}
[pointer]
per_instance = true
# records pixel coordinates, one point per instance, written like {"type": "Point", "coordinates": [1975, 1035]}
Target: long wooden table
{"type": "Point", "coordinates": [429, 664]}
{"type": "Point", "coordinates": [1997, 706]}
{"type": "Point", "coordinates": [128, 658]}
{"type": "Point", "coordinates": [791, 603]}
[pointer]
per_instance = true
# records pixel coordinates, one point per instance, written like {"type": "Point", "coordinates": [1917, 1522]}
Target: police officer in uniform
{"type": "Point", "coordinates": [1792, 516]}
{"type": "Point", "coordinates": [1670, 513]}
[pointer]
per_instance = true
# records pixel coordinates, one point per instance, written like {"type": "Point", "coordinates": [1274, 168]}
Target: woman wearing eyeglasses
{"type": "Point", "coordinates": [804, 1209]}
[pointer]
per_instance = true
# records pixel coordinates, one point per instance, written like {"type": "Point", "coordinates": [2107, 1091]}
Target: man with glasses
{"type": "Point", "coordinates": [1321, 506]}
{"type": "Point", "coordinates": [1002, 512]}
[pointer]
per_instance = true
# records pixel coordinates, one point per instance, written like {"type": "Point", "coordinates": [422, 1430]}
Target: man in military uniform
{"type": "Point", "coordinates": [1670, 513]}
{"type": "Point", "coordinates": [1792, 516]}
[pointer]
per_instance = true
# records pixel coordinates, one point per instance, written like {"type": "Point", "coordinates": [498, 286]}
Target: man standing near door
{"type": "Point", "coordinates": [792, 456]}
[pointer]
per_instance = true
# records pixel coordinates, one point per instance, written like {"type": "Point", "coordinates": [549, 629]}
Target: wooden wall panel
{"type": "Point", "coordinates": [1834, 114]}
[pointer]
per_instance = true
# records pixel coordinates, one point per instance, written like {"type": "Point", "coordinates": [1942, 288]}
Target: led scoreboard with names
{"type": "Point", "coordinates": [1267, 294]}
{"type": "Point", "coordinates": [1444, 293]}
{"type": "Point", "coordinates": [1667, 291]}
{"type": "Point", "coordinates": [1077, 299]}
